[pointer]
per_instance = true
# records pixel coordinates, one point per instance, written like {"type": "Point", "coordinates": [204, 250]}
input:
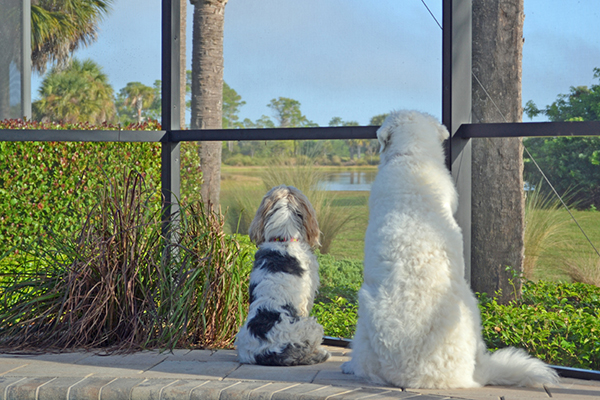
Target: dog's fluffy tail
{"type": "Point", "coordinates": [294, 354]}
{"type": "Point", "coordinates": [512, 367]}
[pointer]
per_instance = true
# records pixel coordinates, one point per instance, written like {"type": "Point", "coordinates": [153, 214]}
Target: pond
{"type": "Point", "coordinates": [358, 181]}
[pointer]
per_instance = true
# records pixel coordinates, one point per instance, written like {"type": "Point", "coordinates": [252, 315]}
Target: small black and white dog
{"type": "Point", "coordinates": [283, 284]}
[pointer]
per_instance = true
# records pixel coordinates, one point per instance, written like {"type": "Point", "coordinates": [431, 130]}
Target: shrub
{"type": "Point", "coordinates": [240, 160]}
{"type": "Point", "coordinates": [336, 160]}
{"type": "Point", "coordinates": [336, 305]}
{"type": "Point", "coordinates": [115, 285]}
{"type": "Point", "coordinates": [556, 322]}
{"type": "Point", "coordinates": [42, 184]}
{"type": "Point", "coordinates": [338, 317]}
{"type": "Point", "coordinates": [339, 278]}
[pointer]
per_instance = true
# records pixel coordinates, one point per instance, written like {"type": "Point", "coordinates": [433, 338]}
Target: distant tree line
{"type": "Point", "coordinates": [572, 164]}
{"type": "Point", "coordinates": [80, 91]}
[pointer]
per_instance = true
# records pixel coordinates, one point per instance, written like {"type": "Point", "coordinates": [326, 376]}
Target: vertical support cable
{"type": "Point", "coordinates": [170, 151]}
{"type": "Point", "coordinates": [26, 60]}
{"type": "Point", "coordinates": [456, 108]}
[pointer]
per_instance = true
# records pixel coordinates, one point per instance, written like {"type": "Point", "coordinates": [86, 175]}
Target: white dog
{"type": "Point", "coordinates": [283, 283]}
{"type": "Point", "coordinates": [418, 324]}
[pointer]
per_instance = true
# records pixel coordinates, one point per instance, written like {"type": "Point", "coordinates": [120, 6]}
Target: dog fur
{"type": "Point", "coordinates": [283, 284]}
{"type": "Point", "coordinates": [418, 321]}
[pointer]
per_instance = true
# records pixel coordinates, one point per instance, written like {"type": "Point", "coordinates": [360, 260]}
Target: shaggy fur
{"type": "Point", "coordinates": [418, 324]}
{"type": "Point", "coordinates": [283, 284]}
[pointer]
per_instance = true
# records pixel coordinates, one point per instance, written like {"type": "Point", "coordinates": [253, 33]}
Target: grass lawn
{"type": "Point", "coordinates": [573, 246]}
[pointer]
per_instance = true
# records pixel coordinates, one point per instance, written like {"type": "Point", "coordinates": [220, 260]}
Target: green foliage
{"type": "Point", "coordinates": [135, 100]}
{"type": "Point", "coordinates": [556, 322]}
{"type": "Point", "coordinates": [79, 92]}
{"type": "Point", "coordinates": [58, 28]}
{"type": "Point", "coordinates": [232, 102]}
{"type": "Point", "coordinates": [44, 184]}
{"type": "Point", "coordinates": [336, 305]}
{"type": "Point", "coordinates": [287, 113]}
{"type": "Point", "coordinates": [339, 278]}
{"type": "Point", "coordinates": [113, 284]}
{"type": "Point", "coordinates": [569, 162]}
{"type": "Point", "coordinates": [337, 317]}
{"type": "Point", "coordinates": [377, 120]}
{"type": "Point", "coordinates": [581, 104]}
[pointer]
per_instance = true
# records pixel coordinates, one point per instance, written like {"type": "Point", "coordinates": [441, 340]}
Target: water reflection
{"type": "Point", "coordinates": [348, 181]}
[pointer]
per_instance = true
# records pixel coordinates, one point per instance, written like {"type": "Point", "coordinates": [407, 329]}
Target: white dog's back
{"type": "Point", "coordinates": [419, 324]}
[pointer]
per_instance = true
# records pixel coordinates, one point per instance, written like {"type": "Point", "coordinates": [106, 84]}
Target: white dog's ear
{"type": "Point", "coordinates": [384, 134]}
{"type": "Point", "coordinates": [442, 131]}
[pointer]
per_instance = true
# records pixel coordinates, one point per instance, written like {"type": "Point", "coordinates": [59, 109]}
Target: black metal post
{"type": "Point", "coordinates": [456, 108]}
{"type": "Point", "coordinates": [170, 153]}
{"type": "Point", "coordinates": [26, 60]}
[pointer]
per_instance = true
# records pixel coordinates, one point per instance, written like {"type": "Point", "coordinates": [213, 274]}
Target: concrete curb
{"type": "Point", "coordinates": [53, 388]}
{"type": "Point", "coordinates": [204, 374]}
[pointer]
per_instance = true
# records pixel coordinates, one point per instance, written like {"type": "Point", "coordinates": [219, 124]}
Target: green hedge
{"type": "Point", "coordinates": [44, 184]}
{"type": "Point", "coordinates": [556, 322]}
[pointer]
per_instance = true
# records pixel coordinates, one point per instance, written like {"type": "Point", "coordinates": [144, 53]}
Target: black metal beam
{"type": "Point", "coordinates": [465, 131]}
{"type": "Point", "coordinates": [316, 133]}
{"type": "Point", "coordinates": [26, 135]}
{"type": "Point", "coordinates": [529, 129]}
{"type": "Point", "coordinates": [456, 108]}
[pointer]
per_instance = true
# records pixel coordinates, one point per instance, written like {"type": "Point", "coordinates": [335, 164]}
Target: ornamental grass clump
{"type": "Point", "coordinates": [91, 289]}
{"type": "Point", "coordinates": [545, 223]}
{"type": "Point", "coordinates": [117, 286]}
{"type": "Point", "coordinates": [204, 287]}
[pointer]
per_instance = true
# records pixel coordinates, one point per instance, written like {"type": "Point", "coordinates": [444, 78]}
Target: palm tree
{"type": "Point", "coordinates": [137, 96]}
{"type": "Point", "coordinates": [207, 89]}
{"type": "Point", "coordinates": [59, 27]}
{"type": "Point", "coordinates": [80, 92]}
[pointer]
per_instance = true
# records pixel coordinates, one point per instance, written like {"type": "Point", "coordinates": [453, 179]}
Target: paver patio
{"type": "Point", "coordinates": [205, 374]}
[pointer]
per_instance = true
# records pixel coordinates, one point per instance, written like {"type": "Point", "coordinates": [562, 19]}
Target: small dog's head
{"type": "Point", "coordinates": [285, 212]}
{"type": "Point", "coordinates": [409, 132]}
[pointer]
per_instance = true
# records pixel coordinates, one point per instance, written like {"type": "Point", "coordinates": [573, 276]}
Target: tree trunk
{"type": "Point", "coordinates": [207, 89]}
{"type": "Point", "coordinates": [182, 60]}
{"type": "Point", "coordinates": [497, 202]}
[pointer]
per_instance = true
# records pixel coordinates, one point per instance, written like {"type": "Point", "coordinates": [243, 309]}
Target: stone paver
{"type": "Point", "coordinates": [192, 370]}
{"type": "Point", "coordinates": [206, 375]}
{"type": "Point", "coordinates": [303, 374]}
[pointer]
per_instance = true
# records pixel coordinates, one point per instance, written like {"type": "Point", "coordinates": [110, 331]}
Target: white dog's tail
{"type": "Point", "coordinates": [512, 367]}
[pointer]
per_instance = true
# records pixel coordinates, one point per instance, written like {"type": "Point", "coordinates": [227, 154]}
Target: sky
{"type": "Point", "coordinates": [352, 59]}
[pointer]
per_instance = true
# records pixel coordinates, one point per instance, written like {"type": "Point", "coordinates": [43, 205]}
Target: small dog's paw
{"type": "Point", "coordinates": [347, 368]}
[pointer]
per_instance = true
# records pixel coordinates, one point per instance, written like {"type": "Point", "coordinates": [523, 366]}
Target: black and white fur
{"type": "Point", "coordinates": [283, 284]}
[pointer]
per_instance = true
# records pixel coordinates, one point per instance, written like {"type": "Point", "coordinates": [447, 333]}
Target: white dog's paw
{"type": "Point", "coordinates": [347, 368]}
